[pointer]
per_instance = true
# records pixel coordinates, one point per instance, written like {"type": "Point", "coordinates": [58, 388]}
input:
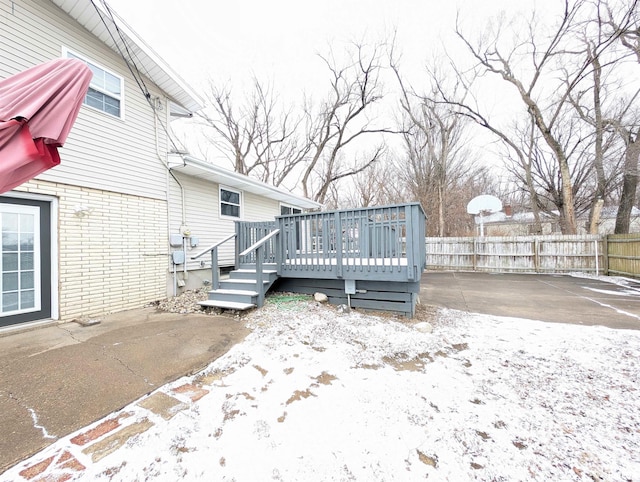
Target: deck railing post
{"type": "Point", "coordinates": [411, 236]}
{"type": "Point", "coordinates": [280, 246]}
{"type": "Point", "coordinates": [238, 245]}
{"type": "Point", "coordinates": [259, 275]}
{"type": "Point", "coordinates": [339, 245]}
{"type": "Point", "coordinates": [278, 253]}
{"type": "Point", "coordinates": [215, 272]}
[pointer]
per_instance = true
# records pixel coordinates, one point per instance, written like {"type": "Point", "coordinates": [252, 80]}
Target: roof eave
{"type": "Point", "coordinates": [210, 172]}
{"type": "Point", "coordinates": [158, 71]}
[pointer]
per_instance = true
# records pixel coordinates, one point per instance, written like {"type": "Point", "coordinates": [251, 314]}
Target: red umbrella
{"type": "Point", "coordinates": [37, 110]}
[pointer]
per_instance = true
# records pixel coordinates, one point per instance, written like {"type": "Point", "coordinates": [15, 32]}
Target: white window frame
{"type": "Point", "coordinates": [68, 53]}
{"type": "Point", "coordinates": [55, 275]}
{"type": "Point", "coordinates": [240, 205]}
{"type": "Point", "coordinates": [284, 205]}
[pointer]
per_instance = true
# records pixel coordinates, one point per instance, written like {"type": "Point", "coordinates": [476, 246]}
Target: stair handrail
{"type": "Point", "coordinates": [259, 247]}
{"type": "Point", "coordinates": [215, 272]}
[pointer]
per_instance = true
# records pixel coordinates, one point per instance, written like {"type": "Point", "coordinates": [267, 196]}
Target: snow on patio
{"type": "Point", "coordinates": [313, 394]}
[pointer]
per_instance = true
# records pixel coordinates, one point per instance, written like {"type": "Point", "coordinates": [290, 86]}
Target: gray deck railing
{"type": "Point", "coordinates": [380, 243]}
{"type": "Point", "coordinates": [249, 233]}
{"type": "Point", "coordinates": [259, 248]}
{"type": "Point", "coordinates": [213, 249]}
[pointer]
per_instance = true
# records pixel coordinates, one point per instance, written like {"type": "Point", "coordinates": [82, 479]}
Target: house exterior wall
{"type": "Point", "coordinates": [102, 151]}
{"type": "Point", "coordinates": [114, 258]}
{"type": "Point", "coordinates": [606, 226]}
{"type": "Point", "coordinates": [202, 212]}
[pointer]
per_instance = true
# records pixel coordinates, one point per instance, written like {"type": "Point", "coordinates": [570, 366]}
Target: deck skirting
{"type": "Point", "coordinates": [396, 297]}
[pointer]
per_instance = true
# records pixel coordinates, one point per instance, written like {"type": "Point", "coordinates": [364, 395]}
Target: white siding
{"type": "Point", "coordinates": [203, 215]}
{"type": "Point", "coordinates": [114, 257]}
{"type": "Point", "coordinates": [102, 151]}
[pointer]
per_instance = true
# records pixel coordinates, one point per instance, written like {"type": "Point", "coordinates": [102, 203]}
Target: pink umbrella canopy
{"type": "Point", "coordinates": [37, 110]}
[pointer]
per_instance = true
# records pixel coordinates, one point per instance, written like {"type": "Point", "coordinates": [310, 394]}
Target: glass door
{"type": "Point", "coordinates": [25, 270]}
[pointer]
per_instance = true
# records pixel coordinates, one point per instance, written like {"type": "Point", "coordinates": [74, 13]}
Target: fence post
{"type": "Point", "coordinates": [536, 254]}
{"type": "Point", "coordinates": [605, 255]}
{"type": "Point", "coordinates": [475, 261]}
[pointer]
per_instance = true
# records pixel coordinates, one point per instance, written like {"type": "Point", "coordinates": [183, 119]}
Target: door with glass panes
{"type": "Point", "coordinates": [25, 261]}
{"type": "Point", "coordinates": [285, 210]}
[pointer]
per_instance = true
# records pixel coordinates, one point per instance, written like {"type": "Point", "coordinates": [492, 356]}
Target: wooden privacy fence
{"type": "Point", "coordinates": [623, 254]}
{"type": "Point", "coordinates": [523, 254]}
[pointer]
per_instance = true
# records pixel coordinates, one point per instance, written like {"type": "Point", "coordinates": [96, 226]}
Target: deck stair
{"type": "Point", "coordinates": [240, 290]}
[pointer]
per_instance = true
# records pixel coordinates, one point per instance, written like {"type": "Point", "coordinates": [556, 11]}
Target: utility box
{"type": "Point", "coordinates": [177, 257]}
{"type": "Point", "coordinates": [175, 240]}
{"type": "Point", "coordinates": [350, 286]}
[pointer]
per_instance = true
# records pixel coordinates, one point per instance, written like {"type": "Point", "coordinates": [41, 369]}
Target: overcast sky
{"type": "Point", "coordinates": [279, 41]}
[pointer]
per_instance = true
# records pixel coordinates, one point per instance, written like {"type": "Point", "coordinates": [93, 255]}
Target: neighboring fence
{"type": "Point", "coordinates": [521, 254]}
{"type": "Point", "coordinates": [623, 253]}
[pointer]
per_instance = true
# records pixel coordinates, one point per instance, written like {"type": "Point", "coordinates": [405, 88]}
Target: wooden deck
{"type": "Point", "coordinates": [369, 257]}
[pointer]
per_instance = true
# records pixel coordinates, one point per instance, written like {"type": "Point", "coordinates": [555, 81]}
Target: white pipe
{"type": "Point", "coordinates": [175, 279]}
{"type": "Point", "coordinates": [597, 268]}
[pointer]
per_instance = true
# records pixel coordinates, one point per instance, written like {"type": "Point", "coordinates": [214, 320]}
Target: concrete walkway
{"type": "Point", "coordinates": [555, 298]}
{"type": "Point", "coordinates": [56, 380]}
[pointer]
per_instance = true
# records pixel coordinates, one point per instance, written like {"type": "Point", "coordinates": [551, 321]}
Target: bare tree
{"type": "Point", "coordinates": [542, 172]}
{"type": "Point", "coordinates": [372, 187]}
{"type": "Point", "coordinates": [259, 138]}
{"type": "Point", "coordinates": [627, 29]}
{"type": "Point", "coordinates": [546, 70]}
{"type": "Point", "coordinates": [435, 156]}
{"type": "Point", "coordinates": [341, 120]}
{"type": "Point", "coordinates": [319, 145]}
{"type": "Point", "coordinates": [600, 101]}
{"type": "Point", "coordinates": [546, 104]}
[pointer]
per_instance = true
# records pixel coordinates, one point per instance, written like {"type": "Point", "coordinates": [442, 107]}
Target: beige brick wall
{"type": "Point", "coordinates": [114, 257]}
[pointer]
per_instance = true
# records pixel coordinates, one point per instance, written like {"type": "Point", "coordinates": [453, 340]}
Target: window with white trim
{"type": "Point", "coordinates": [230, 203]}
{"type": "Point", "coordinates": [105, 90]}
{"type": "Point", "coordinates": [286, 209]}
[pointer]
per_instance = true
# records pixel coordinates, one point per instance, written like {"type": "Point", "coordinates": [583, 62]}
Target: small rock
{"type": "Point", "coordinates": [424, 327]}
{"type": "Point", "coordinates": [321, 297]}
{"type": "Point", "coordinates": [343, 309]}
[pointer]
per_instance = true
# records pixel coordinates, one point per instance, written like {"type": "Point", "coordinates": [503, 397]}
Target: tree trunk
{"type": "Point", "coordinates": [629, 185]}
{"type": "Point", "coordinates": [598, 162]}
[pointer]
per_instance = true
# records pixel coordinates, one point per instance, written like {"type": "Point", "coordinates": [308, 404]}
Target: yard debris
{"type": "Point", "coordinates": [185, 303]}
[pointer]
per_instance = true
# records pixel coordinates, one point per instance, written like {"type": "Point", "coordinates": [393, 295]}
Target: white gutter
{"type": "Point", "coordinates": [158, 71]}
{"type": "Point", "coordinates": [210, 172]}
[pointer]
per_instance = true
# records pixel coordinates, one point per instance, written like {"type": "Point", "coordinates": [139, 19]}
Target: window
{"type": "Point", "coordinates": [105, 90]}
{"type": "Point", "coordinates": [229, 203]}
{"type": "Point", "coordinates": [19, 264]}
{"type": "Point", "coordinates": [284, 210]}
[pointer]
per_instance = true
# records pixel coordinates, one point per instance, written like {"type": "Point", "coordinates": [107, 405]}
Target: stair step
{"type": "Point", "coordinates": [224, 291]}
{"type": "Point", "coordinates": [248, 270]}
{"type": "Point", "coordinates": [242, 281]}
{"type": "Point", "coordinates": [227, 305]}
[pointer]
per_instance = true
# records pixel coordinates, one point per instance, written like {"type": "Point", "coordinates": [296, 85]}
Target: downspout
{"type": "Point", "coordinates": [165, 163]}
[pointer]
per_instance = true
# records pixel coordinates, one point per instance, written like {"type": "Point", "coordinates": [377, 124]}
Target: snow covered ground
{"type": "Point", "coordinates": [313, 394]}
